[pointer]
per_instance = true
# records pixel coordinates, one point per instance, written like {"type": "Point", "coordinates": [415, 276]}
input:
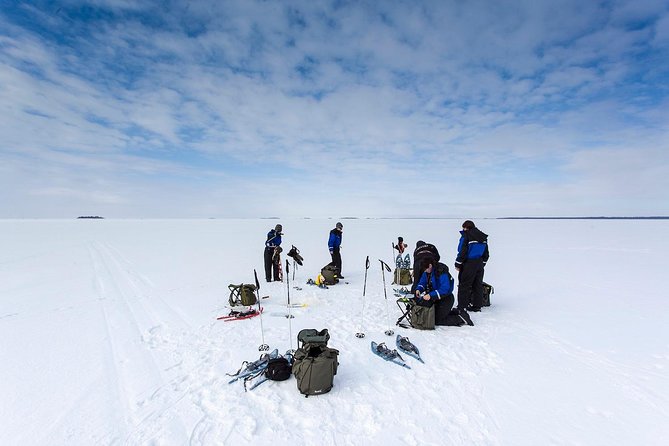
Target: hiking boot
{"type": "Point", "coordinates": [474, 309]}
{"type": "Point", "coordinates": [464, 315]}
{"type": "Point", "coordinates": [340, 277]}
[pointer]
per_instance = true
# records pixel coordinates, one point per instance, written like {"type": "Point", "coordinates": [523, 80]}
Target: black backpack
{"type": "Point", "coordinates": [278, 369]}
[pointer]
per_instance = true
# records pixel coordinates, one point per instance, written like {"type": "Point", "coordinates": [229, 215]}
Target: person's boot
{"type": "Point", "coordinates": [465, 316]}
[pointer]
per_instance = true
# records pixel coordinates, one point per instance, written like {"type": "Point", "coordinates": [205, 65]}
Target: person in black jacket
{"type": "Point", "coordinates": [470, 263]}
{"type": "Point", "coordinates": [424, 255]}
{"type": "Point", "coordinates": [272, 244]}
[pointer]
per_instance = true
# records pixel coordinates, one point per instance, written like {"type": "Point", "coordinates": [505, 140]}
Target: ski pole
{"type": "Point", "coordinates": [384, 268]}
{"type": "Point", "coordinates": [290, 316]}
{"type": "Point", "coordinates": [361, 334]}
{"type": "Point", "coordinates": [263, 347]}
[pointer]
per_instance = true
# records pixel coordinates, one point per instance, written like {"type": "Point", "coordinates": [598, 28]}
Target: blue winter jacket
{"type": "Point", "coordinates": [440, 283]}
{"type": "Point", "coordinates": [273, 239]}
{"type": "Point", "coordinates": [334, 242]}
{"type": "Point", "coordinates": [473, 244]}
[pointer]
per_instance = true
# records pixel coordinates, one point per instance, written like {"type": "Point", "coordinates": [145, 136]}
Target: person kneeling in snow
{"type": "Point", "coordinates": [435, 287]}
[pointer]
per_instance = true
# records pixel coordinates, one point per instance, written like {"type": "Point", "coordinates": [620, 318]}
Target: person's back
{"type": "Point", "coordinates": [423, 255]}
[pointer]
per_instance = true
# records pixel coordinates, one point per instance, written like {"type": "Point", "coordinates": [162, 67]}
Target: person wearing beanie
{"type": "Point", "coordinates": [424, 255]}
{"type": "Point", "coordinates": [272, 250]}
{"type": "Point", "coordinates": [334, 245]}
{"type": "Point", "coordinates": [470, 263]}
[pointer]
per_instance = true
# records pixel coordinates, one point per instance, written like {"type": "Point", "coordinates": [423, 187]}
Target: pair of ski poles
{"type": "Point", "coordinates": [384, 268]}
{"type": "Point", "coordinates": [265, 347]}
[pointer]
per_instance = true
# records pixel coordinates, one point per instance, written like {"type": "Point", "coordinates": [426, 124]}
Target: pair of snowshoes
{"type": "Point", "coordinates": [403, 263]}
{"type": "Point", "coordinates": [393, 356]}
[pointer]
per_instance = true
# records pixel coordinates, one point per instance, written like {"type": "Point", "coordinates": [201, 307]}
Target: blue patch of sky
{"type": "Point", "coordinates": [307, 67]}
{"type": "Point", "coordinates": [295, 18]}
{"type": "Point", "coordinates": [97, 120]}
{"type": "Point", "coordinates": [34, 112]}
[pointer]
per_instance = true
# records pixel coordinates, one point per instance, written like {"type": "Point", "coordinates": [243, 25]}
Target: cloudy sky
{"type": "Point", "coordinates": [447, 108]}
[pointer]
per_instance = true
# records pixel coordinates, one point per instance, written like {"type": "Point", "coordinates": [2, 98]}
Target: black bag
{"type": "Point", "coordinates": [487, 291]}
{"type": "Point", "coordinates": [278, 369]}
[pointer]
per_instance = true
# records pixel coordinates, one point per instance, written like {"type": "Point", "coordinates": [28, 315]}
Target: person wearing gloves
{"type": "Point", "coordinates": [334, 245]}
{"type": "Point", "coordinates": [272, 244]}
{"type": "Point", "coordinates": [470, 263]}
{"type": "Point", "coordinates": [435, 287]}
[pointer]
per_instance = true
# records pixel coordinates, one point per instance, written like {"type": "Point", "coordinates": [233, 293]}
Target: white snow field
{"type": "Point", "coordinates": [109, 336]}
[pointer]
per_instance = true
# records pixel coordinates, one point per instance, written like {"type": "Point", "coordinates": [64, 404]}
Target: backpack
{"type": "Point", "coordinates": [330, 273]}
{"type": "Point", "coordinates": [243, 294]}
{"type": "Point", "coordinates": [422, 317]}
{"type": "Point", "coordinates": [314, 363]}
{"type": "Point", "coordinates": [487, 291]}
{"type": "Point", "coordinates": [402, 276]}
{"type": "Point", "coordinates": [278, 369]}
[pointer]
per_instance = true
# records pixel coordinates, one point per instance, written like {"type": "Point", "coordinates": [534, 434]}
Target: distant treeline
{"type": "Point", "coordinates": [90, 216]}
{"type": "Point", "coordinates": [586, 218]}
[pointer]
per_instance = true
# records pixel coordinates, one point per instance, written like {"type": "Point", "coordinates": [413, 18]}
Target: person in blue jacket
{"type": "Point", "coordinates": [334, 245]}
{"type": "Point", "coordinates": [470, 263]}
{"type": "Point", "coordinates": [435, 287]}
{"type": "Point", "coordinates": [272, 245]}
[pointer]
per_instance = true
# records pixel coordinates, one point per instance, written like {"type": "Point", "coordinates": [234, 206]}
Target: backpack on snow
{"type": "Point", "coordinates": [402, 276]}
{"type": "Point", "coordinates": [314, 363]}
{"type": "Point", "coordinates": [278, 369]}
{"type": "Point", "coordinates": [487, 291]}
{"type": "Point", "coordinates": [422, 317]}
{"type": "Point", "coordinates": [331, 274]}
{"type": "Point", "coordinates": [243, 294]}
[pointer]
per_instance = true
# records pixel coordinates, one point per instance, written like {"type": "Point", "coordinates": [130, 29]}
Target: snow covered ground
{"type": "Point", "coordinates": [109, 336]}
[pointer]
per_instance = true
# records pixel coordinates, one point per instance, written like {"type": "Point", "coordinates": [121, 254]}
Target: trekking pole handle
{"type": "Point", "coordinates": [384, 265]}
{"type": "Point", "coordinates": [367, 263]}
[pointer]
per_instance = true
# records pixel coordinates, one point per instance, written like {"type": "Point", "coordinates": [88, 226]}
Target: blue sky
{"type": "Point", "coordinates": [249, 108]}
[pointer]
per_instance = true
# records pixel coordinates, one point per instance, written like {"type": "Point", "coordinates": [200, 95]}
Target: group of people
{"type": "Point", "coordinates": [273, 249]}
{"type": "Point", "coordinates": [432, 283]}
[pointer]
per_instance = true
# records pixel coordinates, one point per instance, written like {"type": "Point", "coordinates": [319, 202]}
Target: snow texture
{"type": "Point", "coordinates": [109, 336]}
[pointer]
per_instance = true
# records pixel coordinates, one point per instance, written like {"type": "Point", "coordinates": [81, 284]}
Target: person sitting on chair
{"type": "Point", "coordinates": [435, 287]}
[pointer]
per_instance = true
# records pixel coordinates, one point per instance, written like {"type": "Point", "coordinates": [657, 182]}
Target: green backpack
{"type": "Point", "coordinates": [402, 276]}
{"type": "Point", "coordinates": [422, 318]}
{"type": "Point", "coordinates": [314, 363]}
{"type": "Point", "coordinates": [331, 274]}
{"type": "Point", "coordinates": [243, 294]}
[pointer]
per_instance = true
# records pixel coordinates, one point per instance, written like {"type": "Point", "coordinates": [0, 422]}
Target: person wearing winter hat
{"type": "Point", "coordinates": [470, 263]}
{"type": "Point", "coordinates": [334, 245]}
{"type": "Point", "coordinates": [424, 255]}
{"type": "Point", "coordinates": [272, 249]}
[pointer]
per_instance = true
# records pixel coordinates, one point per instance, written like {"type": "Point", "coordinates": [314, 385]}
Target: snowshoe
{"type": "Point", "coordinates": [384, 352]}
{"type": "Point", "coordinates": [407, 347]}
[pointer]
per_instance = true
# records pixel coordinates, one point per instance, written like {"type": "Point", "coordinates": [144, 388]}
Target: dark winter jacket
{"type": "Point", "coordinates": [427, 252]}
{"type": "Point", "coordinates": [439, 283]}
{"type": "Point", "coordinates": [473, 245]}
{"type": "Point", "coordinates": [334, 242]}
{"type": "Point", "coordinates": [273, 239]}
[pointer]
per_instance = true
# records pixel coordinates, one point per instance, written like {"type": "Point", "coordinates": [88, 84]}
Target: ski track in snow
{"type": "Point", "coordinates": [130, 322]}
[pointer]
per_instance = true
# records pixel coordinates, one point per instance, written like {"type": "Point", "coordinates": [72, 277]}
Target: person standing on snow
{"type": "Point", "coordinates": [470, 263]}
{"type": "Point", "coordinates": [271, 246]}
{"type": "Point", "coordinates": [334, 245]}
